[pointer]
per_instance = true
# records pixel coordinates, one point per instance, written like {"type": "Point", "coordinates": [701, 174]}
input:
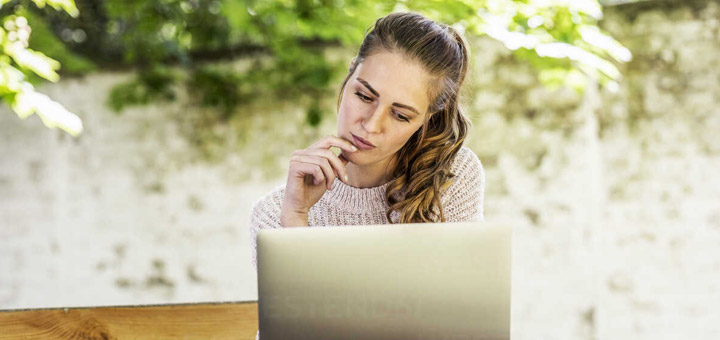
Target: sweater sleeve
{"type": "Point", "coordinates": [265, 213]}
{"type": "Point", "coordinates": [463, 200]}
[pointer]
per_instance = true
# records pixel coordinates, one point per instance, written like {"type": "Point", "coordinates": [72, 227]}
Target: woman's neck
{"type": "Point", "coordinates": [368, 176]}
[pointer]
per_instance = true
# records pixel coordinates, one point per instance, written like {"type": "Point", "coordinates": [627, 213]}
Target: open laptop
{"type": "Point", "coordinates": [402, 281]}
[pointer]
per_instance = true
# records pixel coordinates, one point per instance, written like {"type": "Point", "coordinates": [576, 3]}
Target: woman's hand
{"type": "Point", "coordinates": [312, 171]}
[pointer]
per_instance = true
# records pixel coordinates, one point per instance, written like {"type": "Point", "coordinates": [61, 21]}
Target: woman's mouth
{"type": "Point", "coordinates": [362, 144]}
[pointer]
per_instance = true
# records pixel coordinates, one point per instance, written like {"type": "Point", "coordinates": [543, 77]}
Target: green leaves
{"type": "Point", "coordinates": [560, 39]}
{"type": "Point", "coordinates": [153, 84]}
{"type": "Point", "coordinates": [60, 5]}
{"type": "Point", "coordinates": [33, 61]}
{"type": "Point", "coordinates": [27, 101]}
{"type": "Point", "coordinates": [18, 61]}
{"type": "Point", "coordinates": [560, 30]}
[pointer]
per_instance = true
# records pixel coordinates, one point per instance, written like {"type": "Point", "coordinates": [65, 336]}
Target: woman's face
{"type": "Point", "coordinates": [384, 103]}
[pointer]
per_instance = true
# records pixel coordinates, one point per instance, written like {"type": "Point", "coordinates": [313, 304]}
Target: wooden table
{"type": "Point", "coordinates": [225, 320]}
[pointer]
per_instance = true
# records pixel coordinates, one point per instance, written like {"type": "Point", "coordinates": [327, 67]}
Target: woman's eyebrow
{"type": "Point", "coordinates": [371, 89]}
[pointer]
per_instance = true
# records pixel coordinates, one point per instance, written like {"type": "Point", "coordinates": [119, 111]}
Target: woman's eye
{"type": "Point", "coordinates": [364, 98]}
{"type": "Point", "coordinates": [401, 117]}
{"type": "Point", "coordinates": [368, 100]}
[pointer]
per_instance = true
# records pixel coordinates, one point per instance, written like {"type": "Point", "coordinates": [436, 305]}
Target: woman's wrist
{"type": "Point", "coordinates": [293, 219]}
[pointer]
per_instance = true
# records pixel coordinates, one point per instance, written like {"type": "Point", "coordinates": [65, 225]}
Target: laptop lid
{"type": "Point", "coordinates": [403, 281]}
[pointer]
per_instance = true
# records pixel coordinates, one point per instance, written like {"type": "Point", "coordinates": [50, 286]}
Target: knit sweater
{"type": "Point", "coordinates": [347, 205]}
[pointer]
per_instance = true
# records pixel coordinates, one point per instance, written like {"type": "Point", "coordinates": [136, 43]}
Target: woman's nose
{"type": "Point", "coordinates": [373, 122]}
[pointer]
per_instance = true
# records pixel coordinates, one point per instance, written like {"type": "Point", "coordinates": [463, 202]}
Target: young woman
{"type": "Point", "coordinates": [400, 133]}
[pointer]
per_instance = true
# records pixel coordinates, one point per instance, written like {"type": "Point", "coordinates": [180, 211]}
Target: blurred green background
{"type": "Point", "coordinates": [181, 42]}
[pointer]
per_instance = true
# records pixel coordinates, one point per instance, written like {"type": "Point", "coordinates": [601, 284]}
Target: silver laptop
{"type": "Point", "coordinates": [403, 281]}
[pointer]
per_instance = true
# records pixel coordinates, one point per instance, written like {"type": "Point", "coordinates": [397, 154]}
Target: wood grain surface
{"type": "Point", "coordinates": [227, 320]}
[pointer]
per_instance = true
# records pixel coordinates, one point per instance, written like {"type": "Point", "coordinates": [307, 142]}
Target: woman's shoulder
{"type": "Point", "coordinates": [265, 212]}
{"type": "Point", "coordinates": [468, 174]}
{"type": "Point", "coordinates": [463, 199]}
{"type": "Point", "coordinates": [466, 162]}
{"type": "Point", "coordinates": [271, 202]}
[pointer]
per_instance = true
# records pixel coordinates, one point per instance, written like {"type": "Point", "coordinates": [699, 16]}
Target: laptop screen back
{"type": "Point", "coordinates": [403, 281]}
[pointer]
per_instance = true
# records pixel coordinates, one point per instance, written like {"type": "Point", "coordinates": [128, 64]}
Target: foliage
{"type": "Point", "coordinates": [44, 39]}
{"type": "Point", "coordinates": [19, 65]}
{"type": "Point", "coordinates": [153, 84]}
{"type": "Point", "coordinates": [560, 38]}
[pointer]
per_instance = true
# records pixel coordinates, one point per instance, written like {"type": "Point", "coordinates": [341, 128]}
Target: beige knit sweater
{"type": "Point", "coordinates": [347, 205]}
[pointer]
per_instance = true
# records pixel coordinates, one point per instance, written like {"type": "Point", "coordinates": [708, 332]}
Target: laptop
{"type": "Point", "coordinates": [402, 281]}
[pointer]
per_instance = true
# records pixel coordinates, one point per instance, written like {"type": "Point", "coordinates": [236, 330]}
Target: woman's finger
{"type": "Point", "coordinates": [344, 160]}
{"type": "Point", "coordinates": [330, 141]}
{"type": "Point", "coordinates": [333, 159]}
{"type": "Point", "coordinates": [303, 169]}
{"type": "Point", "coordinates": [321, 162]}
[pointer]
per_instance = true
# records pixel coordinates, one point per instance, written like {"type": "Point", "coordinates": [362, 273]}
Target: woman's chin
{"type": "Point", "coordinates": [347, 155]}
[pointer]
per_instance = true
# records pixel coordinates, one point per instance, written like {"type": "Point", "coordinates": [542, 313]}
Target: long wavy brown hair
{"type": "Point", "coordinates": [422, 165]}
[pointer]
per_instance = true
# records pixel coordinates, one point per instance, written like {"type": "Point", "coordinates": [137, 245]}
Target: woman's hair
{"type": "Point", "coordinates": [423, 164]}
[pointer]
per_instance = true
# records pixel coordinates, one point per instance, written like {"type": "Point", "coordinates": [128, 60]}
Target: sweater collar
{"type": "Point", "coordinates": [358, 200]}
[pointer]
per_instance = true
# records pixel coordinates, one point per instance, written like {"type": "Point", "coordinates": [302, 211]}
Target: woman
{"type": "Point", "coordinates": [400, 133]}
